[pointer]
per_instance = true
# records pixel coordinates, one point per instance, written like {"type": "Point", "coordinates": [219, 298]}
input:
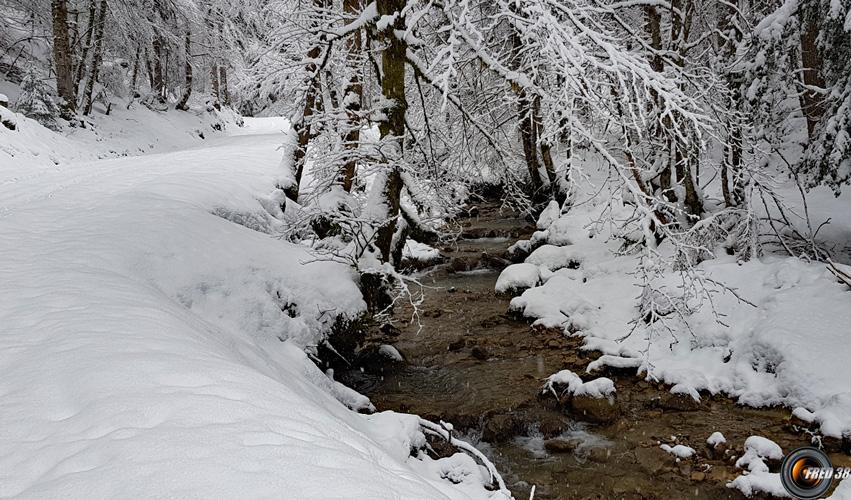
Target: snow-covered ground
{"type": "Point", "coordinates": [152, 345]}
{"type": "Point", "coordinates": [789, 346]}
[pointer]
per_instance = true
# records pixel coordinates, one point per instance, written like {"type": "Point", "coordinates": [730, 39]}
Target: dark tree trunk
{"type": "Point", "coordinates": [812, 103]}
{"type": "Point", "coordinates": [87, 43]}
{"type": "Point", "coordinates": [393, 126]}
{"type": "Point", "coordinates": [135, 78]}
{"type": "Point", "coordinates": [62, 58]}
{"type": "Point", "coordinates": [214, 85]}
{"type": "Point", "coordinates": [353, 97]}
{"type": "Point", "coordinates": [97, 58]}
{"type": "Point", "coordinates": [302, 127]}
{"type": "Point", "coordinates": [187, 88]}
{"type": "Point", "coordinates": [158, 85]}
{"type": "Point", "coordinates": [224, 95]}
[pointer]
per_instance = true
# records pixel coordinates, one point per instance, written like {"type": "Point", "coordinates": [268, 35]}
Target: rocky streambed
{"type": "Point", "coordinates": [472, 364]}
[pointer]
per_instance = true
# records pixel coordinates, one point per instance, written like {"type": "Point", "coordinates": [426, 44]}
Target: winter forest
{"type": "Point", "coordinates": [424, 249]}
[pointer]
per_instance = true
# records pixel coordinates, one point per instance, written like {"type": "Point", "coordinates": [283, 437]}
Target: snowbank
{"type": "Point", "coordinates": [152, 348]}
{"type": "Point", "coordinates": [788, 348]}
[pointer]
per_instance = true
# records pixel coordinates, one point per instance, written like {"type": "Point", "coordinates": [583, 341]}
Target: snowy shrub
{"type": "Point", "coordinates": [35, 101]}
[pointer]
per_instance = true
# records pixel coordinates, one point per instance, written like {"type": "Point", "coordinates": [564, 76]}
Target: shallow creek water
{"type": "Point", "coordinates": [475, 366]}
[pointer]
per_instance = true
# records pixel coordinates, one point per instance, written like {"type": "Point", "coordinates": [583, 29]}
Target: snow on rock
{"type": "Point", "coordinates": [517, 277]}
{"type": "Point", "coordinates": [687, 390]}
{"type": "Point", "coordinates": [760, 482]}
{"type": "Point", "coordinates": [549, 215]}
{"type": "Point", "coordinates": [680, 451]}
{"type": "Point", "coordinates": [715, 439]}
{"type": "Point", "coordinates": [553, 257]}
{"type": "Point", "coordinates": [614, 362]}
{"type": "Point", "coordinates": [151, 348]}
{"type": "Point", "coordinates": [567, 382]}
{"type": "Point", "coordinates": [758, 448]}
{"type": "Point", "coordinates": [421, 252]}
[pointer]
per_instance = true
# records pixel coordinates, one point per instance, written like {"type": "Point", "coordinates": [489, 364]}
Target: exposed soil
{"type": "Point", "coordinates": [473, 365]}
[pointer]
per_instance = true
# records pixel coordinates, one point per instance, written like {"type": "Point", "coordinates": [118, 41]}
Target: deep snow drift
{"type": "Point", "coordinates": [152, 345]}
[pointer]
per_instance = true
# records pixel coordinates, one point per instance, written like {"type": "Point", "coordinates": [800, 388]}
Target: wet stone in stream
{"type": "Point", "coordinates": [478, 368]}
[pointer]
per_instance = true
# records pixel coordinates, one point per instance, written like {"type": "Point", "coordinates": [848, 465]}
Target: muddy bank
{"type": "Point", "coordinates": [473, 365]}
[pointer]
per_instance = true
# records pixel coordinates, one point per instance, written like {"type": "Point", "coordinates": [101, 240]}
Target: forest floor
{"type": "Point", "coordinates": [473, 364]}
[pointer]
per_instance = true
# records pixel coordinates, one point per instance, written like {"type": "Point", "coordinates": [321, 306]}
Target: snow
{"type": "Point", "coordinates": [518, 277]}
{"type": "Point", "coordinates": [151, 347]}
{"type": "Point", "coordinates": [549, 215]}
{"type": "Point", "coordinates": [788, 348]}
{"type": "Point", "coordinates": [415, 250]}
{"type": "Point", "coordinates": [570, 383]}
{"type": "Point", "coordinates": [554, 257]}
{"type": "Point", "coordinates": [760, 482]}
{"type": "Point", "coordinates": [757, 477]}
{"type": "Point", "coordinates": [715, 439]}
{"type": "Point", "coordinates": [679, 451]}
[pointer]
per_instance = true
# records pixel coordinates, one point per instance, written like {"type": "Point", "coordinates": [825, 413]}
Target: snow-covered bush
{"type": "Point", "coordinates": [35, 101]}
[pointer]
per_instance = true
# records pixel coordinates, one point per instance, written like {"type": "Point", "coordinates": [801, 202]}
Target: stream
{"type": "Point", "coordinates": [472, 364]}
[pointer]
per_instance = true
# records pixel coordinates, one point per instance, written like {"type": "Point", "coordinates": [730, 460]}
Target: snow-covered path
{"type": "Point", "coordinates": [140, 340]}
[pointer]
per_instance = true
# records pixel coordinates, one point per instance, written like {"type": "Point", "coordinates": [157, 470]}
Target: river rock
{"type": "Point", "coordinates": [561, 445]}
{"type": "Point", "coordinates": [457, 344]}
{"type": "Point", "coordinates": [601, 410]}
{"type": "Point", "coordinates": [500, 428]}
{"type": "Point", "coordinates": [480, 353]}
{"type": "Point", "coordinates": [678, 402]}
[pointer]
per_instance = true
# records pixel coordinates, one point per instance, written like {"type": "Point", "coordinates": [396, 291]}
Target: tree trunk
{"type": "Point", "coordinates": [62, 58]}
{"type": "Point", "coordinates": [393, 126]}
{"type": "Point", "coordinates": [224, 95]}
{"type": "Point", "coordinates": [135, 78]}
{"type": "Point", "coordinates": [87, 43]}
{"type": "Point", "coordinates": [812, 104]}
{"type": "Point", "coordinates": [353, 97]}
{"type": "Point", "coordinates": [158, 86]}
{"type": "Point", "coordinates": [97, 58]}
{"type": "Point", "coordinates": [653, 27]}
{"type": "Point", "coordinates": [187, 89]}
{"type": "Point", "coordinates": [214, 85]}
{"type": "Point", "coordinates": [302, 126]}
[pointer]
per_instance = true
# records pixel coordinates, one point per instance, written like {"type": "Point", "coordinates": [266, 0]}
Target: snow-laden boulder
{"type": "Point", "coordinates": [549, 215]}
{"type": "Point", "coordinates": [593, 400]}
{"type": "Point", "coordinates": [518, 277]}
{"type": "Point", "coordinates": [553, 257]}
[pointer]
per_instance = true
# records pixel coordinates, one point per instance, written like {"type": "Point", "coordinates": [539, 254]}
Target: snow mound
{"type": "Point", "coordinates": [549, 215]}
{"type": "Point", "coordinates": [715, 439]}
{"type": "Point", "coordinates": [518, 277]}
{"type": "Point", "coordinates": [553, 257]}
{"type": "Point", "coordinates": [567, 382]}
{"type": "Point", "coordinates": [679, 451]}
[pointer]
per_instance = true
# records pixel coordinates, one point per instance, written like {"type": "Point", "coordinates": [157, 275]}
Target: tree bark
{"type": "Point", "coordinates": [62, 57]}
{"type": "Point", "coordinates": [214, 85]}
{"type": "Point", "coordinates": [187, 84]}
{"type": "Point", "coordinates": [812, 103]}
{"type": "Point", "coordinates": [353, 97]}
{"type": "Point", "coordinates": [392, 127]}
{"type": "Point", "coordinates": [87, 43]}
{"type": "Point", "coordinates": [97, 58]}
{"type": "Point", "coordinates": [158, 86]}
{"type": "Point", "coordinates": [224, 95]}
{"type": "Point", "coordinates": [302, 126]}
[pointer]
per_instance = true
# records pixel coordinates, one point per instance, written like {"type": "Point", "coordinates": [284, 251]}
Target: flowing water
{"type": "Point", "coordinates": [470, 363]}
